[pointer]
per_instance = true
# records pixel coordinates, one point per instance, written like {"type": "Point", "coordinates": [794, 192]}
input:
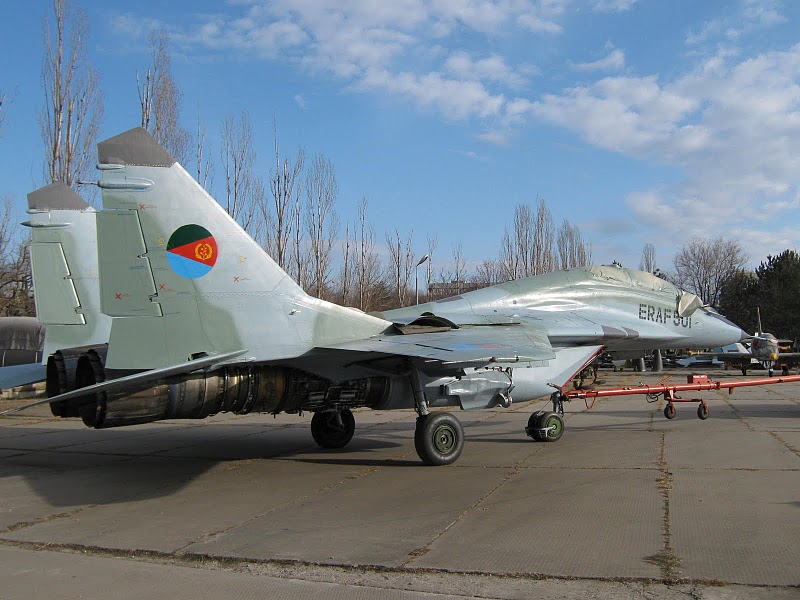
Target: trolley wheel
{"type": "Point", "coordinates": [669, 411]}
{"type": "Point", "coordinates": [533, 425]}
{"type": "Point", "coordinates": [702, 411]}
{"type": "Point", "coordinates": [554, 425]}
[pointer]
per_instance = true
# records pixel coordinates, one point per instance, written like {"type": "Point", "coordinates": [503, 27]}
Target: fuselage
{"type": "Point", "coordinates": [622, 309]}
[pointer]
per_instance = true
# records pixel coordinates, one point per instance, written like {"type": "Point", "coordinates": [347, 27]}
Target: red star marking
{"type": "Point", "coordinates": [117, 296]}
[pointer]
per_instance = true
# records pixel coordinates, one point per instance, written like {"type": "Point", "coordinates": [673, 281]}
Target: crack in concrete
{"type": "Point", "coordinates": [388, 577]}
{"type": "Point", "coordinates": [789, 447]}
{"type": "Point", "coordinates": [666, 559]}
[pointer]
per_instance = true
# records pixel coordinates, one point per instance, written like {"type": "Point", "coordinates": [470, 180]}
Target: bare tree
{"type": "Point", "coordinates": [572, 250]}
{"type": "Point", "coordinates": [542, 256]}
{"type": "Point", "coordinates": [160, 99]}
{"type": "Point", "coordinates": [648, 262]}
{"type": "Point", "coordinates": [16, 284]}
{"type": "Point", "coordinates": [244, 190]}
{"type": "Point", "coordinates": [321, 220]}
{"type": "Point", "coordinates": [489, 272]}
{"type": "Point", "coordinates": [286, 186]}
{"type": "Point", "coordinates": [401, 260]}
{"type": "Point", "coordinates": [347, 271]}
{"type": "Point", "coordinates": [205, 168]}
{"type": "Point", "coordinates": [3, 111]}
{"type": "Point", "coordinates": [702, 266]}
{"type": "Point", "coordinates": [433, 243]}
{"type": "Point", "coordinates": [368, 268]}
{"type": "Point", "coordinates": [459, 265]}
{"type": "Point", "coordinates": [298, 257]}
{"type": "Point", "coordinates": [73, 107]}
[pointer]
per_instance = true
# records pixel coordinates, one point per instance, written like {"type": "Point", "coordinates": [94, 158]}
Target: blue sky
{"type": "Point", "coordinates": [638, 120]}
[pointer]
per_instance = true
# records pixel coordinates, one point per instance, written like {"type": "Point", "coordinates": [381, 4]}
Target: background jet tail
{"type": "Point", "coordinates": [760, 332]}
{"type": "Point", "coordinates": [64, 266]}
{"type": "Point", "coordinates": [172, 256]}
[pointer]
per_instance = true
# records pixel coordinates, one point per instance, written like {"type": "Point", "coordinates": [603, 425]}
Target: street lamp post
{"type": "Point", "coordinates": [416, 275]}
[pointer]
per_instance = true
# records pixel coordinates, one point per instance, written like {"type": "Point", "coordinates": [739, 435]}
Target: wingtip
{"type": "Point", "coordinates": [56, 196]}
{"type": "Point", "coordinates": [134, 147]}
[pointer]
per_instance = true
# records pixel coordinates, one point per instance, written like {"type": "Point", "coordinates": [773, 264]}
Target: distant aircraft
{"type": "Point", "coordinates": [204, 321]}
{"type": "Point", "coordinates": [765, 348]}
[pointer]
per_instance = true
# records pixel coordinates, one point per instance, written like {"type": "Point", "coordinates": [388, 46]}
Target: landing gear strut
{"type": "Point", "coordinates": [438, 437]}
{"type": "Point", "coordinates": [333, 428]}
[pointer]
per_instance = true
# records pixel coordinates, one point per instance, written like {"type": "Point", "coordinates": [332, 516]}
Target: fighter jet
{"type": "Point", "coordinates": [764, 348]}
{"type": "Point", "coordinates": [204, 321]}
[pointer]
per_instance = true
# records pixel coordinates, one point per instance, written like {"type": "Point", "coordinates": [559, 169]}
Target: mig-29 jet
{"type": "Point", "coordinates": [202, 321]}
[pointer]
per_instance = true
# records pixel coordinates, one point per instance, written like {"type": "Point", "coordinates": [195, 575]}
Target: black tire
{"type": "Point", "coordinates": [669, 411]}
{"type": "Point", "coordinates": [702, 411]}
{"type": "Point", "coordinates": [438, 438]}
{"type": "Point", "coordinates": [533, 425]}
{"type": "Point", "coordinates": [329, 432]}
{"type": "Point", "coordinates": [554, 425]}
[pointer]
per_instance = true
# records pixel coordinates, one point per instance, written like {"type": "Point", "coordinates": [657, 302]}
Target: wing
{"type": "Point", "coordinates": [467, 345]}
{"type": "Point", "coordinates": [132, 380]}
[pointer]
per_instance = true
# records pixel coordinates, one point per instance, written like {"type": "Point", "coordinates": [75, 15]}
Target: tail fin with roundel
{"type": "Point", "coordinates": [186, 280]}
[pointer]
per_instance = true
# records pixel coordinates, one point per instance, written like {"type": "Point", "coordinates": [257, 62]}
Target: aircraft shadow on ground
{"type": "Point", "coordinates": [126, 465]}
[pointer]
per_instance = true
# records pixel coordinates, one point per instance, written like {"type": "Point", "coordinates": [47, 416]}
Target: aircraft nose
{"type": "Point", "coordinates": [724, 330]}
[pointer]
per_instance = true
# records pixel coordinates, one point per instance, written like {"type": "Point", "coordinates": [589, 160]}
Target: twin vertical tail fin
{"type": "Point", "coordinates": [186, 279]}
{"type": "Point", "coordinates": [63, 255]}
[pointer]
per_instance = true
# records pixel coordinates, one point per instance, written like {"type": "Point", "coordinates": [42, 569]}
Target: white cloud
{"type": "Point", "coordinates": [455, 98]}
{"type": "Point", "coordinates": [491, 69]}
{"type": "Point", "coordinates": [400, 47]}
{"type": "Point", "coordinates": [733, 128]}
{"type": "Point", "coordinates": [613, 5]}
{"type": "Point", "coordinates": [751, 15]}
{"type": "Point", "coordinates": [615, 61]}
{"type": "Point", "coordinates": [498, 138]}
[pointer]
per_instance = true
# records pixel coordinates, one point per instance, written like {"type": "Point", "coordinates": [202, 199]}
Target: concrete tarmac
{"type": "Point", "coordinates": [625, 505]}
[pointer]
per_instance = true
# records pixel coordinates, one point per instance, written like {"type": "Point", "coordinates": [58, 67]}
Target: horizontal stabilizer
{"type": "Point", "coordinates": [17, 375]}
{"type": "Point", "coordinates": [136, 378]}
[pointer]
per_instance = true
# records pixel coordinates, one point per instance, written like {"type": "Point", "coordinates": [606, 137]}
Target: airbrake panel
{"type": "Point", "coordinates": [127, 288]}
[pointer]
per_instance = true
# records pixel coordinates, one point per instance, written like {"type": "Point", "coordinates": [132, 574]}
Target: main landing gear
{"type": "Point", "coordinates": [333, 428]}
{"type": "Point", "coordinates": [438, 438]}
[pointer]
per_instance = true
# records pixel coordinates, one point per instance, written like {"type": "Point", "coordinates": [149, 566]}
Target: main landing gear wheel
{"type": "Point", "coordinates": [333, 428]}
{"type": "Point", "coordinates": [545, 426]}
{"type": "Point", "coordinates": [669, 410]}
{"type": "Point", "coordinates": [702, 411]}
{"type": "Point", "coordinates": [438, 438]}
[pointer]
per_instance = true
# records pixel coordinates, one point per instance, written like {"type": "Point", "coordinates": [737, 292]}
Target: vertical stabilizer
{"type": "Point", "coordinates": [170, 255]}
{"type": "Point", "coordinates": [64, 265]}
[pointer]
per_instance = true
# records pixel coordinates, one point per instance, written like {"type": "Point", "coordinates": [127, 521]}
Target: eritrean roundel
{"type": "Point", "coordinates": [192, 251]}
